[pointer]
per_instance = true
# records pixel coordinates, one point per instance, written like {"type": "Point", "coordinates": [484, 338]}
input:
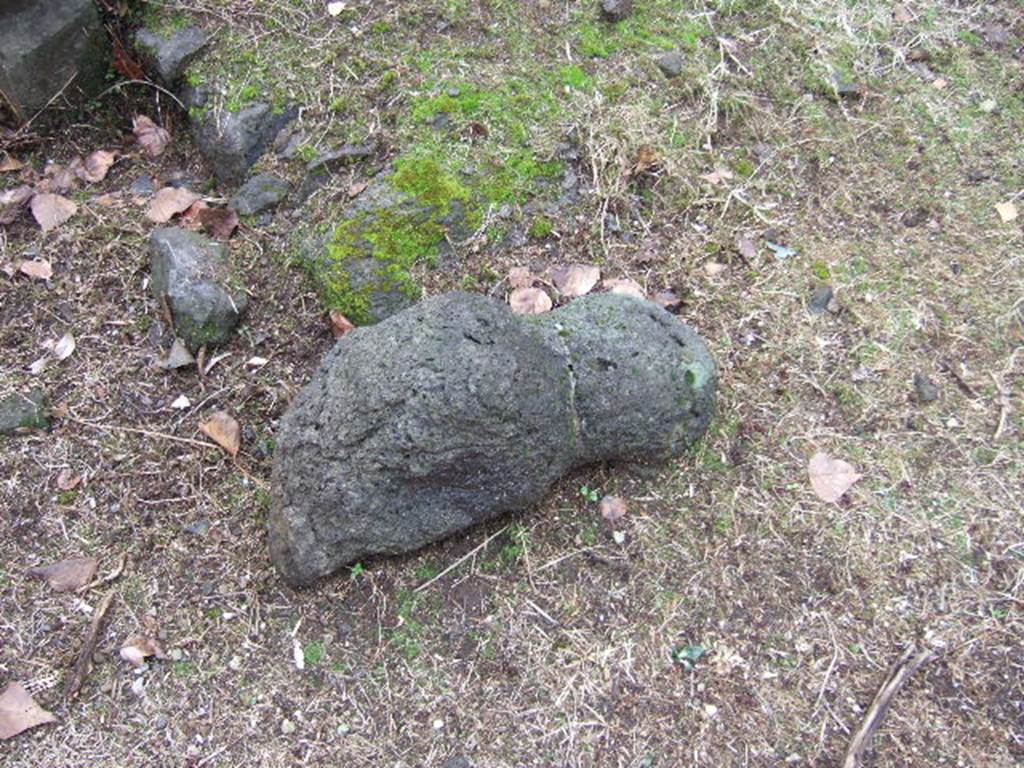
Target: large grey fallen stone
{"type": "Point", "coordinates": [47, 46]}
{"type": "Point", "coordinates": [232, 142]}
{"type": "Point", "coordinates": [455, 411]}
{"type": "Point", "coordinates": [173, 51]}
{"type": "Point", "coordinates": [260, 193]}
{"type": "Point", "coordinates": [23, 412]}
{"type": "Point", "coordinates": [190, 272]}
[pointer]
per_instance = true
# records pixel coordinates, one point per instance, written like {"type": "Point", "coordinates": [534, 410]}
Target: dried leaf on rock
{"type": "Point", "coordinates": [37, 270]}
{"type": "Point", "coordinates": [67, 575]}
{"type": "Point", "coordinates": [612, 508]}
{"type": "Point", "coordinates": [95, 166]}
{"type": "Point", "coordinates": [219, 222]}
{"type": "Point", "coordinates": [831, 478]}
{"type": "Point", "coordinates": [340, 325]}
{"type": "Point", "coordinates": [169, 202]}
{"type": "Point", "coordinates": [520, 277]}
{"type": "Point", "coordinates": [224, 431]}
{"type": "Point", "coordinates": [624, 286]}
{"type": "Point", "coordinates": [151, 137]}
{"type": "Point", "coordinates": [717, 176]}
{"type": "Point", "coordinates": [19, 711]}
{"type": "Point", "coordinates": [1007, 212]}
{"type": "Point", "coordinates": [10, 163]}
{"type": "Point", "coordinates": [50, 210]}
{"type": "Point", "coordinates": [576, 279]}
{"type": "Point", "coordinates": [357, 189]}
{"type": "Point", "coordinates": [137, 648]}
{"type": "Point", "coordinates": [529, 301]}
{"type": "Point", "coordinates": [68, 480]}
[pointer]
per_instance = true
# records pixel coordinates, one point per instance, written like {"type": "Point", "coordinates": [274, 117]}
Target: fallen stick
{"type": "Point", "coordinates": [908, 663]}
{"type": "Point", "coordinates": [83, 665]}
{"type": "Point", "coordinates": [472, 553]}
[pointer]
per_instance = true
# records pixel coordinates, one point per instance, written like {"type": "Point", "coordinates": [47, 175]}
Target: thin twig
{"type": "Point", "coordinates": [83, 665]}
{"type": "Point", "coordinates": [162, 90]}
{"type": "Point", "coordinates": [118, 570]}
{"type": "Point", "coordinates": [472, 553]}
{"type": "Point", "coordinates": [146, 432]}
{"type": "Point", "coordinates": [908, 663]}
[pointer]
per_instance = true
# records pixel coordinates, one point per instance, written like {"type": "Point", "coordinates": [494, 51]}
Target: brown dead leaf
{"type": "Point", "coordinates": [95, 167]}
{"type": "Point", "coordinates": [646, 160]}
{"type": "Point", "coordinates": [612, 508]}
{"type": "Point", "coordinates": [190, 217]}
{"type": "Point", "coordinates": [714, 268]}
{"type": "Point", "coordinates": [576, 279]}
{"type": "Point", "coordinates": [137, 648]}
{"type": "Point", "coordinates": [668, 300]}
{"type": "Point", "coordinates": [357, 189]}
{"type": "Point", "coordinates": [219, 222]}
{"type": "Point", "coordinates": [19, 711]}
{"type": "Point", "coordinates": [37, 270]}
{"type": "Point", "coordinates": [529, 301]}
{"type": "Point", "coordinates": [340, 325]}
{"type": "Point", "coordinates": [16, 196]}
{"type": "Point", "coordinates": [520, 277]}
{"type": "Point", "coordinates": [50, 210]}
{"type": "Point", "coordinates": [224, 431]}
{"type": "Point", "coordinates": [68, 480]}
{"type": "Point", "coordinates": [151, 137]}
{"type": "Point", "coordinates": [1007, 212]}
{"type": "Point", "coordinates": [169, 202]}
{"type": "Point", "coordinates": [59, 178]}
{"type": "Point", "coordinates": [67, 575]}
{"type": "Point", "coordinates": [178, 357]}
{"type": "Point", "coordinates": [624, 286]}
{"type": "Point", "coordinates": [830, 478]}
{"type": "Point", "coordinates": [902, 15]}
{"type": "Point", "coordinates": [9, 163]}
{"type": "Point", "coordinates": [717, 176]}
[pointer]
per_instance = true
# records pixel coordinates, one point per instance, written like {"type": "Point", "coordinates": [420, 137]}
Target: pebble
{"type": "Point", "coordinates": [926, 389]}
{"type": "Point", "coordinates": [820, 299]}
{"type": "Point", "coordinates": [671, 63]}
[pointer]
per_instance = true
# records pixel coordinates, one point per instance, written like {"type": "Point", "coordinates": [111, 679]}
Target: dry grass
{"type": "Point", "coordinates": [553, 645]}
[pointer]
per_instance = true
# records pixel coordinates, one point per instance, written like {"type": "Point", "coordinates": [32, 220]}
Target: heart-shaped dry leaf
{"type": "Point", "coordinates": [94, 168]}
{"type": "Point", "coordinates": [50, 210]}
{"type": "Point", "coordinates": [151, 137]}
{"type": "Point", "coordinates": [169, 202]}
{"type": "Point", "coordinates": [224, 431]}
{"type": "Point", "coordinates": [19, 711]}
{"type": "Point", "coordinates": [67, 575]}
{"type": "Point", "coordinates": [624, 286]}
{"type": "Point", "coordinates": [612, 508]}
{"type": "Point", "coordinates": [37, 270]}
{"type": "Point", "coordinates": [529, 301]}
{"type": "Point", "coordinates": [831, 478]}
{"type": "Point", "coordinates": [576, 279]}
{"type": "Point", "coordinates": [137, 648]}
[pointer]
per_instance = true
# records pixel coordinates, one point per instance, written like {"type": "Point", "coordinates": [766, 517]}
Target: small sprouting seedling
{"type": "Point", "coordinates": [688, 655]}
{"type": "Point", "coordinates": [356, 571]}
{"type": "Point", "coordinates": [590, 494]}
{"type": "Point", "coordinates": [313, 653]}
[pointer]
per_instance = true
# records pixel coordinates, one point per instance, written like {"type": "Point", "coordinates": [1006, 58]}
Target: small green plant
{"type": "Point", "coordinates": [541, 227]}
{"type": "Point", "coordinates": [590, 494]}
{"type": "Point", "coordinates": [356, 572]}
{"type": "Point", "coordinates": [313, 653]}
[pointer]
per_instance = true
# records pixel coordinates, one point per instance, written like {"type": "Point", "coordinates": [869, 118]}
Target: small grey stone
{"type": "Point", "coordinates": [190, 272]}
{"type": "Point", "coordinates": [616, 10]}
{"type": "Point", "coordinates": [345, 154]}
{"type": "Point", "coordinates": [671, 63]}
{"type": "Point", "coordinates": [23, 412]}
{"type": "Point", "coordinates": [925, 388]}
{"type": "Point", "coordinates": [456, 411]}
{"type": "Point", "coordinates": [262, 192]}
{"type": "Point", "coordinates": [454, 92]}
{"type": "Point", "coordinates": [233, 141]}
{"type": "Point", "coordinates": [820, 298]}
{"type": "Point", "coordinates": [174, 51]}
{"type": "Point", "coordinates": [456, 761]}
{"type": "Point", "coordinates": [198, 527]}
{"type": "Point", "coordinates": [143, 186]}
{"type": "Point", "coordinates": [845, 89]}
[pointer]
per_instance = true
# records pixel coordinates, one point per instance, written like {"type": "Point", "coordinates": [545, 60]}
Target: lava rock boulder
{"type": "Point", "coordinates": [455, 411]}
{"type": "Point", "coordinates": [232, 141]}
{"type": "Point", "coordinates": [262, 192]}
{"type": "Point", "coordinates": [190, 273]}
{"type": "Point", "coordinates": [173, 51]}
{"type": "Point", "coordinates": [24, 412]}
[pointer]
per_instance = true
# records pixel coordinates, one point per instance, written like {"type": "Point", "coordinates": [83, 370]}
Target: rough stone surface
{"type": "Point", "coordinates": [671, 64]}
{"type": "Point", "coordinates": [616, 10]}
{"type": "Point", "coordinates": [820, 298]}
{"type": "Point", "coordinates": [190, 272]}
{"type": "Point", "coordinates": [260, 193]}
{"type": "Point", "coordinates": [456, 411]}
{"type": "Point", "coordinates": [925, 389]}
{"type": "Point", "coordinates": [22, 412]}
{"type": "Point", "coordinates": [232, 142]}
{"type": "Point", "coordinates": [43, 44]}
{"type": "Point", "coordinates": [172, 52]}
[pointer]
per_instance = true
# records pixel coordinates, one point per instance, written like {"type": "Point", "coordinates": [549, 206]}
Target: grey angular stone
{"type": "Point", "coordinates": [671, 63]}
{"type": "Point", "coordinates": [174, 51]}
{"type": "Point", "coordinates": [616, 10]}
{"type": "Point", "coordinates": [190, 272]}
{"type": "Point", "coordinates": [344, 154]}
{"type": "Point", "coordinates": [46, 45]}
{"type": "Point", "coordinates": [23, 412]}
{"type": "Point", "coordinates": [456, 411]}
{"type": "Point", "coordinates": [821, 297]}
{"type": "Point", "coordinates": [925, 388]}
{"type": "Point", "coordinates": [260, 193]}
{"type": "Point", "coordinates": [232, 142]}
